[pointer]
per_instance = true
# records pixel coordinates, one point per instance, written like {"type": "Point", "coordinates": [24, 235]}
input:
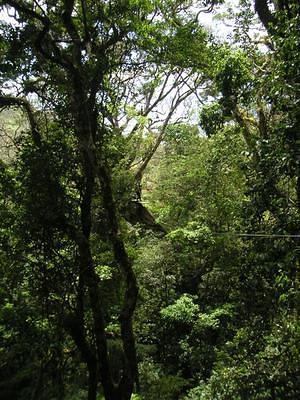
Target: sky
{"type": "Point", "coordinates": [214, 21]}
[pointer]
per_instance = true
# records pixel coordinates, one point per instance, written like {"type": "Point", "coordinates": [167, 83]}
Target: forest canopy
{"type": "Point", "coordinates": [150, 199]}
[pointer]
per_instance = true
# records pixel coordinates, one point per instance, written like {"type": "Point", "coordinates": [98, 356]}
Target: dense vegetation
{"type": "Point", "coordinates": [150, 200]}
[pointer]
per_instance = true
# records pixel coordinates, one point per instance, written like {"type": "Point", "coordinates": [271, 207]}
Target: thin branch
{"type": "Point", "coordinates": [150, 153]}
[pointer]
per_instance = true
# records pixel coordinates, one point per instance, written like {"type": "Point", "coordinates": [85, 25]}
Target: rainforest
{"type": "Point", "coordinates": [150, 199]}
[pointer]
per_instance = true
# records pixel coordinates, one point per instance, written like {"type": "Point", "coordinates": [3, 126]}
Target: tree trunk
{"type": "Point", "coordinates": [130, 374]}
{"type": "Point", "coordinates": [93, 383]}
{"type": "Point", "coordinates": [85, 127]}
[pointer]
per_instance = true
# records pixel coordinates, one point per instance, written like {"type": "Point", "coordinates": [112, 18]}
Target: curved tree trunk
{"type": "Point", "coordinates": [95, 169]}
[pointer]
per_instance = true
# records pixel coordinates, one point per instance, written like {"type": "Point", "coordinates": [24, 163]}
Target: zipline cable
{"type": "Point", "coordinates": [261, 235]}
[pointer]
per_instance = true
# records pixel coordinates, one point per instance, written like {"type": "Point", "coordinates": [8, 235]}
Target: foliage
{"type": "Point", "coordinates": [156, 383]}
{"type": "Point", "coordinates": [144, 254]}
{"type": "Point", "coordinates": [258, 376]}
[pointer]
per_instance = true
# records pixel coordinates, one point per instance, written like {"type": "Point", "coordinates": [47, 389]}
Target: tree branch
{"type": "Point", "coordinates": [10, 101]}
{"type": "Point", "coordinates": [264, 13]}
{"type": "Point", "coordinates": [68, 23]}
{"type": "Point", "coordinates": [23, 8]}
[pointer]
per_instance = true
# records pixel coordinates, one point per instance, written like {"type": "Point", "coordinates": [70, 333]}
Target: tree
{"type": "Point", "coordinates": [66, 56]}
{"type": "Point", "coordinates": [107, 90]}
